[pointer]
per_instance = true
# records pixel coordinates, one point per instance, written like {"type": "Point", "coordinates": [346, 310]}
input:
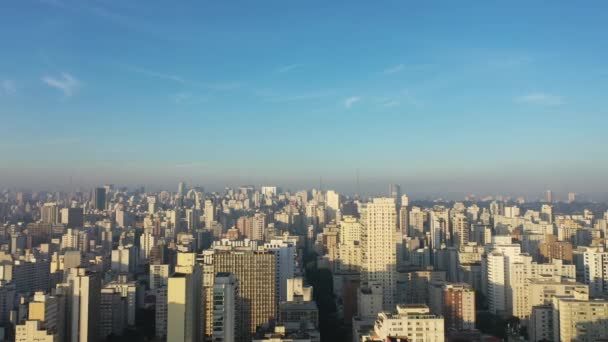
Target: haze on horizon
{"type": "Point", "coordinates": [481, 98]}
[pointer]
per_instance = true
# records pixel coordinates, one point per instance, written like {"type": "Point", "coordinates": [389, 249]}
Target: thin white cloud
{"type": "Point", "coordinates": [219, 86]}
{"type": "Point", "coordinates": [393, 70]}
{"type": "Point", "coordinates": [288, 68]}
{"type": "Point", "coordinates": [349, 102]}
{"type": "Point", "coordinates": [8, 87]}
{"type": "Point", "coordinates": [66, 83]}
{"type": "Point", "coordinates": [272, 95]}
{"type": "Point", "coordinates": [403, 97]}
{"type": "Point", "coordinates": [541, 99]}
{"type": "Point", "coordinates": [405, 67]}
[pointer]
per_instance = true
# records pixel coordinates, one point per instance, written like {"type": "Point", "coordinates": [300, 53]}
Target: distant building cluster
{"type": "Point", "coordinates": [238, 265]}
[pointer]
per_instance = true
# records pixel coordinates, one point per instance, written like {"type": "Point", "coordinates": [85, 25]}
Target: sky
{"type": "Point", "coordinates": [439, 96]}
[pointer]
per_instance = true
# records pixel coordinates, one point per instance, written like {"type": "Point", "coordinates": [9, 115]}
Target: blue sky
{"type": "Point", "coordinates": [438, 96]}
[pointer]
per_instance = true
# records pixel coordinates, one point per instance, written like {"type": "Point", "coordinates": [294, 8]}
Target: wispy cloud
{"type": "Point", "coordinates": [276, 96]}
{"type": "Point", "coordinates": [403, 97]}
{"type": "Point", "coordinates": [219, 86]}
{"type": "Point", "coordinates": [349, 102]}
{"type": "Point", "coordinates": [394, 69]}
{"type": "Point", "coordinates": [404, 67]}
{"type": "Point", "coordinates": [8, 87]}
{"type": "Point", "coordinates": [541, 99]}
{"type": "Point", "coordinates": [66, 83]}
{"type": "Point", "coordinates": [288, 68]}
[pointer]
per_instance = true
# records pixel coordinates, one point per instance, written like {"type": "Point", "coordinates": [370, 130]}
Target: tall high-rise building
{"type": "Point", "coordinates": [579, 319]}
{"type": "Point", "coordinates": [332, 201]}
{"type": "Point", "coordinates": [181, 189]}
{"type": "Point", "coordinates": [147, 241]}
{"type": "Point", "coordinates": [546, 213]}
{"type": "Point", "coordinates": [496, 288]}
{"type": "Point", "coordinates": [549, 196]}
{"type": "Point", "coordinates": [184, 301]}
{"type": "Point", "coordinates": [192, 218]}
{"type": "Point", "coordinates": [349, 248]}
{"type": "Point", "coordinates": [379, 263]}
{"type": "Point", "coordinates": [550, 249]}
{"type": "Point", "coordinates": [394, 191]}
{"type": "Point", "coordinates": [209, 213]}
{"type": "Point", "coordinates": [596, 271]}
{"type": "Point", "coordinates": [159, 276]}
{"type": "Point", "coordinates": [49, 213]}
{"type": "Point", "coordinates": [84, 300]}
{"type": "Point", "coordinates": [439, 222]}
{"type": "Point", "coordinates": [112, 313]}
{"type": "Point", "coordinates": [256, 272]}
{"type": "Point", "coordinates": [258, 226]}
{"type": "Point", "coordinates": [571, 197]}
{"type": "Point", "coordinates": [455, 302]}
{"type": "Point", "coordinates": [540, 291]}
{"type": "Point", "coordinates": [72, 217]}
{"type": "Point", "coordinates": [227, 326]}
{"type": "Point", "coordinates": [416, 222]}
{"type": "Point", "coordinates": [286, 267]}
{"type": "Point", "coordinates": [99, 199]}
{"type": "Point", "coordinates": [462, 229]}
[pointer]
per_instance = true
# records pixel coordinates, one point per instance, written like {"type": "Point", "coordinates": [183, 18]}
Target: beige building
{"type": "Point", "coordinates": [542, 290]}
{"type": "Point", "coordinates": [184, 303]}
{"type": "Point", "coordinates": [580, 320]}
{"type": "Point", "coordinates": [413, 322]}
{"type": "Point", "coordinates": [31, 331]}
{"type": "Point", "coordinates": [349, 250]}
{"type": "Point", "coordinates": [84, 299]}
{"type": "Point", "coordinates": [379, 220]}
{"type": "Point", "coordinates": [256, 272]}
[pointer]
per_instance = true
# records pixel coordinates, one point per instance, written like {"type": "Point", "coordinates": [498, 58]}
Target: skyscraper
{"type": "Point", "coordinates": [50, 213]}
{"type": "Point", "coordinates": [596, 271]}
{"type": "Point", "coordinates": [181, 189]}
{"type": "Point", "coordinates": [226, 326]}
{"type": "Point", "coordinates": [99, 199]}
{"type": "Point", "coordinates": [257, 276]}
{"type": "Point", "coordinates": [459, 306]}
{"type": "Point", "coordinates": [209, 213]}
{"type": "Point", "coordinates": [549, 196]}
{"type": "Point", "coordinates": [72, 217]}
{"type": "Point", "coordinates": [379, 264]}
{"type": "Point", "coordinates": [84, 300]}
{"type": "Point", "coordinates": [394, 191]}
{"type": "Point", "coordinates": [184, 301]}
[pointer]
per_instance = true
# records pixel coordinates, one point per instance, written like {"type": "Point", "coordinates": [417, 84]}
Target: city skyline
{"type": "Point", "coordinates": [483, 98]}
